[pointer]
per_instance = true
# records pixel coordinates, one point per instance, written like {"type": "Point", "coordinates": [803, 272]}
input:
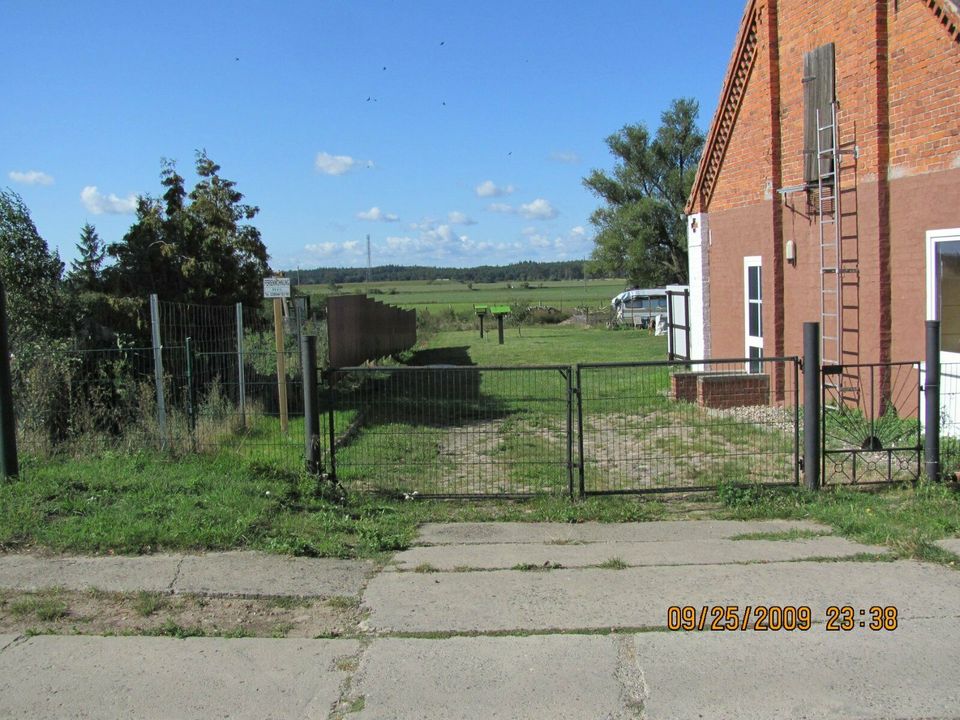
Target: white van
{"type": "Point", "coordinates": [640, 306]}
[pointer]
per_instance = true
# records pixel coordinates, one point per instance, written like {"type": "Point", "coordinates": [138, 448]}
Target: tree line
{"type": "Point", "coordinates": [526, 270]}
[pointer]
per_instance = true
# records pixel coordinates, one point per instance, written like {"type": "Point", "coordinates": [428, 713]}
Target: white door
{"type": "Point", "coordinates": [753, 313]}
{"type": "Point", "coordinates": [943, 304]}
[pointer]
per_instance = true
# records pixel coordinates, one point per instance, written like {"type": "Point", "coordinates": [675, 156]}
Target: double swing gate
{"type": "Point", "coordinates": [588, 429]}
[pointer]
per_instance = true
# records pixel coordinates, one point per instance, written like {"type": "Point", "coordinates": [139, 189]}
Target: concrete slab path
{"type": "Point", "coordinates": [138, 677]}
{"type": "Point", "coordinates": [950, 545]}
{"type": "Point", "coordinates": [690, 531]}
{"type": "Point", "coordinates": [504, 600]}
{"type": "Point", "coordinates": [481, 640]}
{"type": "Point", "coordinates": [227, 573]}
{"type": "Point", "coordinates": [493, 556]}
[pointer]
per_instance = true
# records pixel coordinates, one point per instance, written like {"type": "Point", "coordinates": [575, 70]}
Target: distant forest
{"type": "Point", "coordinates": [527, 270]}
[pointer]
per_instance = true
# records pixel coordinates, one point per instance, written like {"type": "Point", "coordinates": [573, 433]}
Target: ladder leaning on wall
{"type": "Point", "coordinates": [831, 252]}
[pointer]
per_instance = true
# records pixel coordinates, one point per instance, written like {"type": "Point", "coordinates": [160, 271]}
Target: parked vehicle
{"type": "Point", "coordinates": [640, 306]}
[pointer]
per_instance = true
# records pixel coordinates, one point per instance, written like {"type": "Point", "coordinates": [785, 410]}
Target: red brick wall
{"type": "Point", "coordinates": [898, 83]}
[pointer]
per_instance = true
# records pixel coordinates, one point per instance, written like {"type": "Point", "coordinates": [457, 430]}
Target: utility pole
{"type": "Point", "coordinates": [369, 263]}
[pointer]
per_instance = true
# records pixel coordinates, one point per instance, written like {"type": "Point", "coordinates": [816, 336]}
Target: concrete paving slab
{"type": "Point", "coordinates": [154, 573]}
{"type": "Point", "coordinates": [950, 545]}
{"type": "Point", "coordinates": [92, 677]}
{"type": "Point", "coordinates": [253, 573]}
{"type": "Point", "coordinates": [907, 673]}
{"type": "Point", "coordinates": [555, 676]}
{"type": "Point", "coordinates": [639, 597]}
{"type": "Point", "coordinates": [659, 531]}
{"type": "Point", "coordinates": [489, 556]}
{"type": "Point", "coordinates": [6, 641]}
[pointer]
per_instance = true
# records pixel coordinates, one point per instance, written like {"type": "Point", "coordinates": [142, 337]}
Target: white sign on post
{"type": "Point", "coordinates": [276, 287]}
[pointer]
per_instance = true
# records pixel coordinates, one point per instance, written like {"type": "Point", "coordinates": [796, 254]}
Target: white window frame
{"type": "Point", "coordinates": [751, 341]}
{"type": "Point", "coordinates": [933, 306]}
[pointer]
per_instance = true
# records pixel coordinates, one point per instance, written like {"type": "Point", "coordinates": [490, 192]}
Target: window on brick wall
{"type": "Point", "coordinates": [819, 92]}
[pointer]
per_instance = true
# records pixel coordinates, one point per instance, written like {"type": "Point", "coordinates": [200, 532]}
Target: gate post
{"type": "Point", "coordinates": [931, 395]}
{"type": "Point", "coordinates": [811, 405]}
{"type": "Point", "coordinates": [581, 471]}
{"type": "Point", "coordinates": [311, 412]}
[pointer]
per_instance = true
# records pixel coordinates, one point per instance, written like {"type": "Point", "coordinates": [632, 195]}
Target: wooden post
{"type": "Point", "coordinates": [281, 362]}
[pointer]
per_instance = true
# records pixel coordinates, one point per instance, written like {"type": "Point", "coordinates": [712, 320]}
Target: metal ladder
{"type": "Point", "coordinates": [833, 269]}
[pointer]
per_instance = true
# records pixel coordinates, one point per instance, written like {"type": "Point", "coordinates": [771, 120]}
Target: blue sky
{"type": "Point", "coordinates": [453, 133]}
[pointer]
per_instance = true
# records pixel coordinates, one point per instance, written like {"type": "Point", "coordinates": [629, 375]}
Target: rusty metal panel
{"type": "Point", "coordinates": [361, 329]}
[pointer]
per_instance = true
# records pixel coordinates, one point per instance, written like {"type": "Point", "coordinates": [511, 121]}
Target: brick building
{"type": "Point", "coordinates": [829, 187]}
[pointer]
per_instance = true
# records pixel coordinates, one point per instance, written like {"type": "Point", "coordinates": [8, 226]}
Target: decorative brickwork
{"type": "Point", "coordinates": [737, 75]}
{"type": "Point", "coordinates": [946, 12]}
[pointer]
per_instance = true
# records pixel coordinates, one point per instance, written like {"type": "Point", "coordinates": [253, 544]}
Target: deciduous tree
{"type": "Point", "coordinates": [31, 275]}
{"type": "Point", "coordinates": [641, 229]}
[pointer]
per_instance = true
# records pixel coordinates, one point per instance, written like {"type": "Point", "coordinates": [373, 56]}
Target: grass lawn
{"type": "Point", "coordinates": [246, 489]}
{"type": "Point", "coordinates": [545, 345]}
{"type": "Point", "coordinates": [442, 295]}
{"type": "Point", "coordinates": [145, 503]}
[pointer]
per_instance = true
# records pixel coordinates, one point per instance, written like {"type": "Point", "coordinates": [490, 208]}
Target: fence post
{"type": "Point", "coordinates": [311, 411]}
{"type": "Point", "coordinates": [811, 405]}
{"type": "Point", "coordinates": [568, 375]}
{"type": "Point", "coordinates": [581, 471]}
{"type": "Point", "coordinates": [158, 368]}
{"type": "Point", "coordinates": [191, 389]}
{"type": "Point", "coordinates": [9, 466]}
{"type": "Point", "coordinates": [931, 395]}
{"type": "Point", "coordinates": [241, 378]}
{"type": "Point", "coordinates": [332, 400]}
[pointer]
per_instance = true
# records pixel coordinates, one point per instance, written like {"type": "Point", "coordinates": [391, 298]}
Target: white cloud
{"type": "Point", "coordinates": [500, 208]}
{"type": "Point", "coordinates": [539, 209]}
{"type": "Point", "coordinates": [458, 218]}
{"type": "Point", "coordinates": [490, 189]}
{"type": "Point", "coordinates": [375, 214]}
{"type": "Point", "coordinates": [98, 203]}
{"type": "Point", "coordinates": [424, 225]}
{"type": "Point", "coordinates": [30, 177]}
{"type": "Point", "coordinates": [573, 244]}
{"type": "Point", "coordinates": [322, 249]}
{"type": "Point", "coordinates": [335, 164]}
{"type": "Point", "coordinates": [345, 252]}
{"type": "Point", "coordinates": [565, 156]}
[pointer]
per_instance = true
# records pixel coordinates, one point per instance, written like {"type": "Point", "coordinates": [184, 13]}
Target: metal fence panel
{"type": "Point", "coordinates": [667, 426]}
{"type": "Point", "coordinates": [950, 421]}
{"type": "Point", "coordinates": [453, 431]}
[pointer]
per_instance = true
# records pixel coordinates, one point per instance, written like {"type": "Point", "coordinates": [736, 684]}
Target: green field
{"type": "Point", "coordinates": [543, 345]}
{"type": "Point", "coordinates": [446, 294]}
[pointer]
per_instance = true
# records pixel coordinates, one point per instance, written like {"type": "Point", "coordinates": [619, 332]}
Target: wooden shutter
{"type": "Point", "coordinates": [819, 91]}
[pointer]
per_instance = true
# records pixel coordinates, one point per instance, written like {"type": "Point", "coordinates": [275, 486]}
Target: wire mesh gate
{"type": "Point", "coordinates": [452, 431]}
{"type": "Point", "coordinates": [469, 431]}
{"type": "Point", "coordinates": [871, 423]}
{"type": "Point", "coordinates": [669, 426]}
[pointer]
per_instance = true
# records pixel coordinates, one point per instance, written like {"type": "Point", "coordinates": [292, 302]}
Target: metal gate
{"type": "Point", "coordinates": [467, 431]}
{"type": "Point", "coordinates": [871, 423]}
{"type": "Point", "coordinates": [675, 426]}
